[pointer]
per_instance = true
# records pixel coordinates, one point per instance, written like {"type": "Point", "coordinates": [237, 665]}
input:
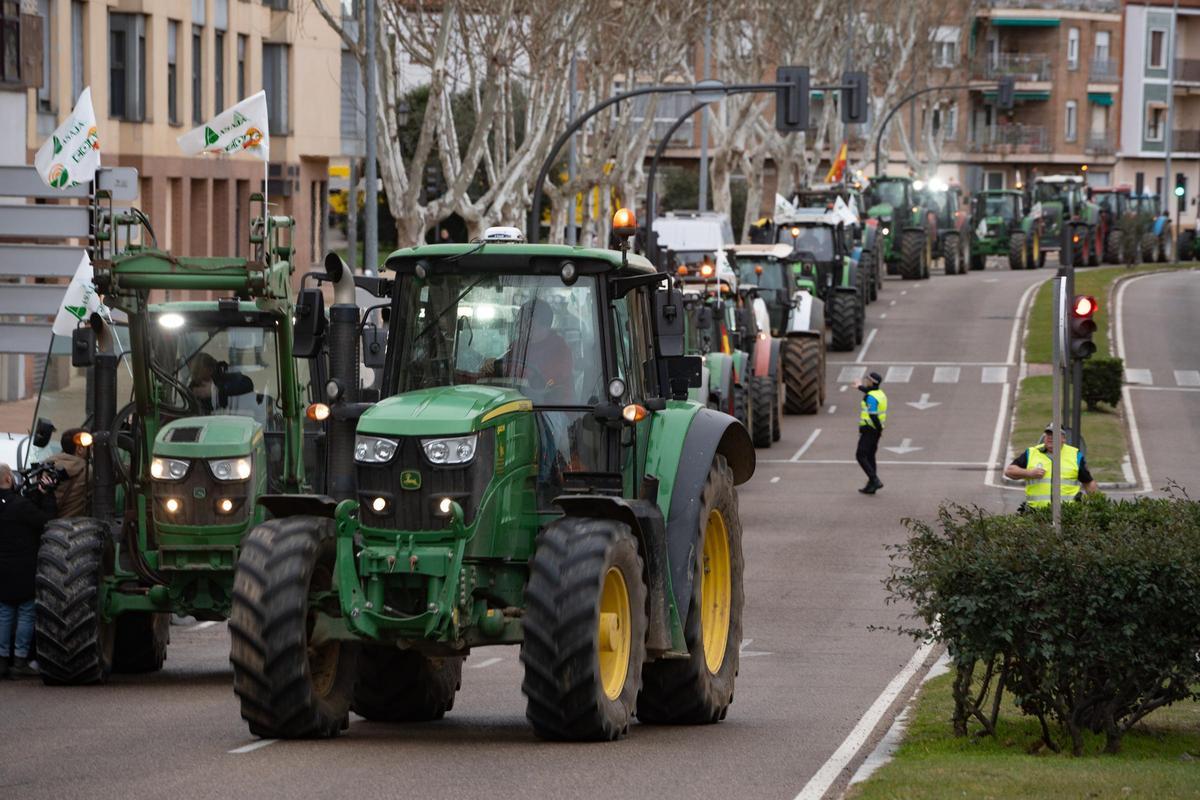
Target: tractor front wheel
{"type": "Point", "coordinates": [404, 685]}
{"type": "Point", "coordinates": [741, 405]}
{"type": "Point", "coordinates": [952, 253]}
{"type": "Point", "coordinates": [1113, 247]}
{"type": "Point", "coordinates": [1149, 241]}
{"type": "Point", "coordinates": [585, 630]}
{"type": "Point", "coordinates": [802, 375]}
{"type": "Point", "coordinates": [843, 318]}
{"type": "Point", "coordinates": [1018, 255]}
{"type": "Point", "coordinates": [699, 689]}
{"type": "Point", "coordinates": [912, 255]}
{"type": "Point", "coordinates": [75, 643]}
{"type": "Point", "coordinates": [869, 267]}
{"type": "Point", "coordinates": [762, 398]}
{"type": "Point", "coordinates": [290, 686]}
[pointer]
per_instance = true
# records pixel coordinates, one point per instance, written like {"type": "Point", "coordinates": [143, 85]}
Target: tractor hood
{"type": "Point", "coordinates": [439, 411]}
{"type": "Point", "coordinates": [881, 210]}
{"type": "Point", "coordinates": [208, 437]}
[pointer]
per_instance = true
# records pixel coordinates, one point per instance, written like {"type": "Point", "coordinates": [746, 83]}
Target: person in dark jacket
{"type": "Point", "coordinates": [22, 520]}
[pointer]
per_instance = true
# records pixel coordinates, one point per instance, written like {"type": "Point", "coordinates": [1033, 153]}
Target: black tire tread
{"type": "Point", "coordinates": [843, 314]}
{"type": "Point", "coordinates": [1018, 255]}
{"type": "Point", "coordinates": [802, 375]}
{"type": "Point", "coordinates": [912, 255]}
{"type": "Point", "coordinates": [70, 565]}
{"type": "Point", "coordinates": [762, 398]}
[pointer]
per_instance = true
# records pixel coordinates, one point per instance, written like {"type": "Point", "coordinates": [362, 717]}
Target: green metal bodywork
{"type": "Point", "coordinates": [994, 241]}
{"type": "Point", "coordinates": [1046, 217]}
{"type": "Point", "coordinates": [892, 218]}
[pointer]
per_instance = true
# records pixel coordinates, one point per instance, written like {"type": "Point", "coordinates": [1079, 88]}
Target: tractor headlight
{"type": "Point", "coordinates": [168, 469]}
{"type": "Point", "coordinates": [373, 450]}
{"type": "Point", "coordinates": [230, 469]}
{"type": "Point", "coordinates": [458, 450]}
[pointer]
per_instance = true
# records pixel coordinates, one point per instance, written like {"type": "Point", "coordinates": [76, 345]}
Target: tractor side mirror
{"type": "Point", "coordinates": [668, 322]}
{"type": "Point", "coordinates": [83, 347]}
{"type": "Point", "coordinates": [704, 318]}
{"type": "Point", "coordinates": [309, 325]}
{"type": "Point", "coordinates": [42, 432]}
{"type": "Point", "coordinates": [683, 373]}
{"type": "Point", "coordinates": [374, 346]}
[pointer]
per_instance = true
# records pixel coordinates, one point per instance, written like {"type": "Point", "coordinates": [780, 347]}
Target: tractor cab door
{"type": "Point", "coordinates": [632, 357]}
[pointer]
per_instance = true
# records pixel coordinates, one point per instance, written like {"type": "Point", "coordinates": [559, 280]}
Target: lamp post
{"type": "Point", "coordinates": [371, 226]}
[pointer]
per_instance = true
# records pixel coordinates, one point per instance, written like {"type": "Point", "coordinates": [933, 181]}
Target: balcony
{"type": "Point", "coordinates": [1187, 70]}
{"type": "Point", "coordinates": [1100, 144]}
{"type": "Point", "coordinates": [1186, 141]}
{"type": "Point", "coordinates": [1010, 138]}
{"type": "Point", "coordinates": [1019, 66]}
{"type": "Point", "coordinates": [1103, 70]}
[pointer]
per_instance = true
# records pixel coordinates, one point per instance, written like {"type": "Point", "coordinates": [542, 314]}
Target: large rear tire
{"type": "Point", "coordinates": [404, 685]}
{"type": "Point", "coordinates": [75, 644]}
{"type": "Point", "coordinates": [762, 398]}
{"type": "Point", "coordinates": [699, 689]}
{"type": "Point", "coordinates": [869, 267]}
{"type": "Point", "coordinates": [1113, 247]}
{"type": "Point", "coordinates": [843, 319]}
{"type": "Point", "coordinates": [289, 687]}
{"type": "Point", "coordinates": [912, 255]}
{"type": "Point", "coordinates": [141, 642]}
{"type": "Point", "coordinates": [1018, 255]}
{"type": "Point", "coordinates": [802, 375]}
{"type": "Point", "coordinates": [1164, 247]}
{"type": "Point", "coordinates": [1149, 242]}
{"type": "Point", "coordinates": [952, 253]}
{"type": "Point", "coordinates": [585, 630]}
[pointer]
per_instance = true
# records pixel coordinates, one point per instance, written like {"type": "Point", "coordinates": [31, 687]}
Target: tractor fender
{"type": "Point", "coordinates": [295, 505]}
{"type": "Point", "coordinates": [645, 521]}
{"type": "Point", "coordinates": [869, 233]}
{"type": "Point", "coordinates": [766, 356]}
{"type": "Point", "coordinates": [807, 315]}
{"type": "Point", "coordinates": [720, 377]}
{"type": "Point", "coordinates": [849, 282]}
{"type": "Point", "coordinates": [1160, 225]}
{"type": "Point", "coordinates": [709, 434]}
{"type": "Point", "coordinates": [740, 372]}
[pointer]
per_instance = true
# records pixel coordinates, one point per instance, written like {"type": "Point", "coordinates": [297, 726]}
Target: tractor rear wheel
{"type": "Point", "coordinates": [912, 255]}
{"type": "Point", "coordinates": [860, 319]}
{"type": "Point", "coordinates": [404, 685]}
{"type": "Point", "coordinates": [1148, 243]}
{"type": "Point", "coordinates": [290, 687]}
{"type": "Point", "coordinates": [141, 642]}
{"type": "Point", "coordinates": [1164, 248]}
{"type": "Point", "coordinates": [1017, 254]}
{"type": "Point", "coordinates": [1112, 247]}
{"type": "Point", "coordinates": [843, 318]}
{"type": "Point", "coordinates": [802, 375]}
{"type": "Point", "coordinates": [762, 398]}
{"type": "Point", "coordinates": [585, 630]}
{"type": "Point", "coordinates": [741, 405]}
{"type": "Point", "coordinates": [776, 406]}
{"type": "Point", "coordinates": [869, 267]}
{"type": "Point", "coordinates": [75, 644]}
{"type": "Point", "coordinates": [699, 689]}
{"type": "Point", "coordinates": [952, 253]}
{"type": "Point", "coordinates": [1185, 246]}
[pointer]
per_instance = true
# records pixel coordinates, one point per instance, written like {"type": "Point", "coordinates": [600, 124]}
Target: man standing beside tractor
{"type": "Point", "coordinates": [872, 419]}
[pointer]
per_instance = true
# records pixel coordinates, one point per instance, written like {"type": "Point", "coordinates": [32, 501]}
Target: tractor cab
{"type": "Point", "coordinates": [997, 207]}
{"type": "Point", "coordinates": [768, 269]}
{"type": "Point", "coordinates": [945, 200]}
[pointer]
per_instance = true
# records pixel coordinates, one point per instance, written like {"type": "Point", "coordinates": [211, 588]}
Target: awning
{"type": "Point", "coordinates": [1025, 22]}
{"type": "Point", "coordinates": [1020, 96]}
{"type": "Point", "coordinates": [1100, 98]}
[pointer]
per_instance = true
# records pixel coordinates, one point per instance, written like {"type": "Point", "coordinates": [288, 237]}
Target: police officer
{"type": "Point", "coordinates": [1035, 466]}
{"type": "Point", "coordinates": [872, 418]}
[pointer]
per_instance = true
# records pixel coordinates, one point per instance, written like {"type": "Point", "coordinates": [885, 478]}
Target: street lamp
{"type": "Point", "coordinates": [402, 111]}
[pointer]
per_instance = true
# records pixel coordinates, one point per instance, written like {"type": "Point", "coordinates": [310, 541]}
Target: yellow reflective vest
{"type": "Point", "coordinates": [1038, 492]}
{"type": "Point", "coordinates": [864, 416]}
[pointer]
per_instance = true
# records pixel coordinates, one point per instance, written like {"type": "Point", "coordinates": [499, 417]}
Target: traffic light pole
{"type": "Point", "coordinates": [1059, 352]}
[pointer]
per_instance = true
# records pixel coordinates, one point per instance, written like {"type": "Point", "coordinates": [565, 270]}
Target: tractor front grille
{"type": "Point", "coordinates": [199, 495]}
{"type": "Point", "coordinates": [416, 509]}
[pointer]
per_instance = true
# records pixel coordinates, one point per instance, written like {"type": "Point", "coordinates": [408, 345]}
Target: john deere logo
{"type": "Point", "coordinates": [410, 479]}
{"type": "Point", "coordinates": [199, 493]}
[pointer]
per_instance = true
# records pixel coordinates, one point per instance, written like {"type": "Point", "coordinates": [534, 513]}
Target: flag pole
{"type": "Point", "coordinates": [266, 213]}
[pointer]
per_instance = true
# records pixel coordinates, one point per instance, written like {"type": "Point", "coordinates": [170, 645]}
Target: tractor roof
{"type": "Point", "coordinates": [808, 217]}
{"type": "Point", "coordinates": [1012, 192]}
{"type": "Point", "coordinates": [1123, 188]}
{"type": "Point", "coordinates": [776, 250]}
{"type": "Point", "coordinates": [1059, 179]}
{"type": "Point", "coordinates": [499, 255]}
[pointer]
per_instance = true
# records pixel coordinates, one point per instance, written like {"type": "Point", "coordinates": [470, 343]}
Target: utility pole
{"type": "Point", "coordinates": [1059, 357]}
{"type": "Point", "coordinates": [352, 217]}
{"type": "Point", "coordinates": [1167, 185]}
{"type": "Point", "coordinates": [371, 222]}
{"type": "Point", "coordinates": [572, 156]}
{"type": "Point", "coordinates": [703, 203]}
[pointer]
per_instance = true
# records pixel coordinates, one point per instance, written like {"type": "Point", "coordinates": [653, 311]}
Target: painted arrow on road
{"type": "Point", "coordinates": [924, 404]}
{"type": "Point", "coordinates": [904, 448]}
{"type": "Point", "coordinates": [744, 653]}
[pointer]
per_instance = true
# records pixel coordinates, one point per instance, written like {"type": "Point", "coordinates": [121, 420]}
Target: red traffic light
{"type": "Point", "coordinates": [1084, 306]}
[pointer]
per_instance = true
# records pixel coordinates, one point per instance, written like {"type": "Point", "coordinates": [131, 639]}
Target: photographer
{"type": "Point", "coordinates": [21, 522]}
{"type": "Point", "coordinates": [73, 493]}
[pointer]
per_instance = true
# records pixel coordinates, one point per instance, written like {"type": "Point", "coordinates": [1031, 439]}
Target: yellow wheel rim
{"type": "Point", "coordinates": [1037, 247]}
{"type": "Point", "coordinates": [613, 634]}
{"type": "Point", "coordinates": [323, 659]}
{"type": "Point", "coordinates": [716, 592]}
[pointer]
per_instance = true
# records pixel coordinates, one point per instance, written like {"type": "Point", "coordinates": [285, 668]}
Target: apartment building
{"type": "Point", "coordinates": [1152, 72]}
{"type": "Point", "coordinates": [157, 68]}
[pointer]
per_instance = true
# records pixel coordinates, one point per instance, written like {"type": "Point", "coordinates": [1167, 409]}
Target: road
{"type": "Point", "coordinates": [811, 666]}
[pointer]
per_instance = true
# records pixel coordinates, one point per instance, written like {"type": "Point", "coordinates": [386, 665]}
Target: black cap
{"type": "Point", "coordinates": [875, 376]}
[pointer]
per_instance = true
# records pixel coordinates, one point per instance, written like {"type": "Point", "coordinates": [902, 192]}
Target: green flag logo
{"type": "Point", "coordinates": [78, 312]}
{"type": "Point", "coordinates": [57, 145]}
{"type": "Point", "coordinates": [210, 138]}
{"type": "Point", "coordinates": [59, 176]}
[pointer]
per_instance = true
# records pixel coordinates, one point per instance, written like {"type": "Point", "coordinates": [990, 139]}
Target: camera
{"type": "Point", "coordinates": [33, 475]}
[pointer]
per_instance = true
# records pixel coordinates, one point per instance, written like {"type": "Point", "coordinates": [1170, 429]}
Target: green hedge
{"type": "Point", "coordinates": [1102, 381]}
{"type": "Point", "coordinates": [1091, 627]}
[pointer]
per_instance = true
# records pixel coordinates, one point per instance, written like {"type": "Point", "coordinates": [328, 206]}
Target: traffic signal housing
{"type": "Point", "coordinates": [791, 101]}
{"type": "Point", "coordinates": [1181, 191]}
{"type": "Point", "coordinates": [854, 97]}
{"type": "Point", "coordinates": [1081, 326]}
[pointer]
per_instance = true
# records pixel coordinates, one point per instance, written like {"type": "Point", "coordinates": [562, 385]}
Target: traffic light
{"type": "Point", "coordinates": [1006, 94]}
{"type": "Point", "coordinates": [791, 102]}
{"type": "Point", "coordinates": [433, 182]}
{"type": "Point", "coordinates": [854, 98]}
{"type": "Point", "coordinates": [1180, 191]}
{"type": "Point", "coordinates": [1081, 326]}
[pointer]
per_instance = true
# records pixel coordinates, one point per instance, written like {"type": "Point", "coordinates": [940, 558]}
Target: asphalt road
{"type": "Point", "coordinates": [811, 666]}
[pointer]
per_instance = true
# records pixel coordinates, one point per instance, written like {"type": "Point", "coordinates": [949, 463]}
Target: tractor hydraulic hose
{"type": "Point", "coordinates": [104, 408]}
{"type": "Point", "coordinates": [343, 368]}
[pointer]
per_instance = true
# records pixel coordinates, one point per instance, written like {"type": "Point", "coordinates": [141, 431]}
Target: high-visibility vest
{"type": "Point", "coordinates": [864, 418]}
{"type": "Point", "coordinates": [1038, 492]}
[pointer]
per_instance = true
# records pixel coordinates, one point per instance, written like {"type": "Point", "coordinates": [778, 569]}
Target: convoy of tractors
{"type": "Point", "coordinates": [489, 443]}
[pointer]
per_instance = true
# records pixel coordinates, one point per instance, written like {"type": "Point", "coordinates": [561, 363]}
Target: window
{"type": "Point", "coordinates": [278, 5]}
{"type": "Point", "coordinates": [1072, 119]}
{"type": "Point", "coordinates": [946, 117]}
{"type": "Point", "coordinates": [1103, 41]}
{"type": "Point", "coordinates": [127, 67]}
{"type": "Point", "coordinates": [241, 66]}
{"type": "Point", "coordinates": [994, 180]}
{"type": "Point", "coordinates": [45, 92]}
{"type": "Point", "coordinates": [197, 75]}
{"type": "Point", "coordinates": [219, 71]}
{"type": "Point", "coordinates": [1158, 49]}
{"type": "Point", "coordinates": [945, 46]}
{"type": "Point", "coordinates": [275, 84]}
{"type": "Point", "coordinates": [1073, 48]}
{"type": "Point", "coordinates": [77, 39]}
{"type": "Point", "coordinates": [172, 72]}
{"type": "Point", "coordinates": [10, 40]}
{"type": "Point", "coordinates": [1156, 121]}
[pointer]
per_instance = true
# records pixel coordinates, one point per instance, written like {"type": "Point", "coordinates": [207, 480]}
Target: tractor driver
{"type": "Point", "coordinates": [213, 384]}
{"type": "Point", "coordinates": [538, 355]}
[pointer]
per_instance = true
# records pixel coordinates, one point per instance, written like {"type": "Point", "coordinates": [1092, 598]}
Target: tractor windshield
{"type": "Point", "coordinates": [892, 193]}
{"type": "Point", "coordinates": [815, 240]}
{"type": "Point", "coordinates": [1050, 193]}
{"type": "Point", "coordinates": [529, 332]}
{"type": "Point", "coordinates": [1000, 205]}
{"type": "Point", "coordinates": [205, 365]}
{"type": "Point", "coordinates": [1144, 205]}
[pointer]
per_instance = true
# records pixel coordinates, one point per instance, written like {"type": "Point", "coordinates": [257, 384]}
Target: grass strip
{"type": "Point", "coordinates": [1160, 758]}
{"type": "Point", "coordinates": [1103, 431]}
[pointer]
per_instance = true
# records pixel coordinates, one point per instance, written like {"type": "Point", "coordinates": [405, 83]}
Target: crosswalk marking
{"type": "Point", "coordinates": [1187, 377]}
{"type": "Point", "coordinates": [995, 374]}
{"type": "Point", "coordinates": [1139, 376]}
{"type": "Point", "coordinates": [898, 375]}
{"type": "Point", "coordinates": [946, 374]}
{"type": "Point", "coordinates": [851, 374]}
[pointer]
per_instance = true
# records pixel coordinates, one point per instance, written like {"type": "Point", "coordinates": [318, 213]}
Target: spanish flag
{"type": "Point", "coordinates": [838, 166]}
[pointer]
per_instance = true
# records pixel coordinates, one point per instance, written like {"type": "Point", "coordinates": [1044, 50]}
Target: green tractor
{"type": "Point", "coordinates": [953, 239]}
{"type": "Point", "coordinates": [905, 229]}
{"type": "Point", "coordinates": [1123, 211]}
{"type": "Point", "coordinates": [1058, 208]}
{"type": "Point", "coordinates": [534, 475]}
{"type": "Point", "coordinates": [711, 332]}
{"type": "Point", "coordinates": [211, 420]}
{"type": "Point", "coordinates": [996, 214]}
{"type": "Point", "coordinates": [797, 317]}
{"type": "Point", "coordinates": [822, 245]}
{"type": "Point", "coordinates": [845, 201]}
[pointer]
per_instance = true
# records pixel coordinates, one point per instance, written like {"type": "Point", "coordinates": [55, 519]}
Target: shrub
{"type": "Point", "coordinates": [1102, 379]}
{"type": "Point", "coordinates": [1092, 626]}
{"type": "Point", "coordinates": [1134, 228]}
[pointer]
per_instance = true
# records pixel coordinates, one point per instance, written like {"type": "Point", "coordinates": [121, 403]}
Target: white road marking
{"type": "Point", "coordinates": [844, 387]}
{"type": "Point", "coordinates": [1014, 337]}
{"type": "Point", "coordinates": [991, 280]}
{"type": "Point", "coordinates": [867, 344]}
{"type": "Point", "coordinates": [1135, 436]}
{"type": "Point", "coordinates": [1187, 377]}
{"type": "Point", "coordinates": [250, 748]}
{"type": "Point", "coordinates": [812, 437]}
{"type": "Point", "coordinates": [905, 447]}
{"type": "Point", "coordinates": [1166, 388]}
{"type": "Point", "coordinates": [995, 374]}
{"type": "Point", "coordinates": [905, 463]}
{"type": "Point", "coordinates": [487, 662]}
{"type": "Point", "coordinates": [858, 737]}
{"type": "Point", "coordinates": [883, 316]}
{"type": "Point", "coordinates": [851, 374]}
{"type": "Point", "coordinates": [938, 363]}
{"type": "Point", "coordinates": [208, 624]}
{"type": "Point", "coordinates": [998, 436]}
{"type": "Point", "coordinates": [892, 303]}
{"type": "Point", "coordinates": [832, 409]}
{"type": "Point", "coordinates": [924, 404]}
{"type": "Point", "coordinates": [775, 479]}
{"type": "Point", "coordinates": [898, 375]}
{"type": "Point", "coordinates": [946, 375]}
{"type": "Point", "coordinates": [1140, 376]}
{"type": "Point", "coordinates": [903, 291]}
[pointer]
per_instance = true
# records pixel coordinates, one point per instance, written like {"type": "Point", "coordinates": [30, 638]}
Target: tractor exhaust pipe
{"type": "Point", "coordinates": [343, 368]}
{"type": "Point", "coordinates": [342, 279]}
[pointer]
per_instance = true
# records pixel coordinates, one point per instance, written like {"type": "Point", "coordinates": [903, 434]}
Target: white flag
{"type": "Point", "coordinates": [236, 129]}
{"type": "Point", "coordinates": [71, 155]}
{"type": "Point", "coordinates": [80, 301]}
